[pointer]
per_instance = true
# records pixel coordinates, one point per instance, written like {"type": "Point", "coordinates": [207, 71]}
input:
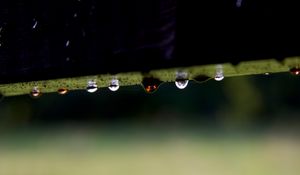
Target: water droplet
{"type": "Point", "coordinates": [91, 86]}
{"type": "Point", "coordinates": [68, 43]}
{"type": "Point", "coordinates": [62, 91]}
{"type": "Point", "coordinates": [75, 15]}
{"type": "Point", "coordinates": [182, 80]}
{"type": "Point", "coordinates": [295, 71]}
{"type": "Point", "coordinates": [219, 76]}
{"type": "Point", "coordinates": [267, 73]}
{"type": "Point", "coordinates": [114, 85]}
{"type": "Point", "coordinates": [151, 84]}
{"type": "Point", "coordinates": [35, 24]}
{"type": "Point", "coordinates": [35, 92]}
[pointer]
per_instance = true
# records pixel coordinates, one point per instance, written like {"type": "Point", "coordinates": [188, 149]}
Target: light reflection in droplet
{"type": "Point", "coordinates": [62, 91]}
{"type": "Point", "coordinates": [151, 84]}
{"type": "Point", "coordinates": [114, 85]}
{"type": "Point", "coordinates": [295, 71]}
{"type": "Point", "coordinates": [182, 80]}
{"type": "Point", "coordinates": [219, 76]}
{"type": "Point", "coordinates": [35, 92]}
{"type": "Point", "coordinates": [91, 86]}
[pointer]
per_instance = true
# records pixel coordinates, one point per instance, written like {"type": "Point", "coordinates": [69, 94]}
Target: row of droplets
{"type": "Point", "coordinates": [150, 84]}
{"type": "Point", "coordinates": [91, 87]}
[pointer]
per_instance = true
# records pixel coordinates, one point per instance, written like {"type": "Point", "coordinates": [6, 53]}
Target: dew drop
{"type": "Point", "coordinates": [219, 76]}
{"type": "Point", "coordinates": [182, 80]}
{"type": "Point", "coordinates": [62, 91]}
{"type": "Point", "coordinates": [91, 86]}
{"type": "Point", "coordinates": [151, 84]}
{"type": "Point", "coordinates": [35, 92]}
{"type": "Point", "coordinates": [75, 15]}
{"type": "Point", "coordinates": [295, 71]}
{"type": "Point", "coordinates": [114, 85]}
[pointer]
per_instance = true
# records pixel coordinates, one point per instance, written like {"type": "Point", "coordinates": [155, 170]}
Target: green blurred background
{"type": "Point", "coordinates": [242, 125]}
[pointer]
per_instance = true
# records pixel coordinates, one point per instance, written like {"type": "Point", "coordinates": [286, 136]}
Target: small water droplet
{"type": "Point", "coordinates": [267, 73]}
{"type": "Point", "coordinates": [182, 80]}
{"type": "Point", "coordinates": [91, 86]}
{"type": "Point", "coordinates": [35, 92]}
{"type": "Point", "coordinates": [114, 85]}
{"type": "Point", "coordinates": [75, 15]}
{"type": "Point", "coordinates": [62, 91]}
{"type": "Point", "coordinates": [35, 24]}
{"type": "Point", "coordinates": [68, 43]}
{"type": "Point", "coordinates": [151, 84]}
{"type": "Point", "coordinates": [219, 76]}
{"type": "Point", "coordinates": [295, 71]}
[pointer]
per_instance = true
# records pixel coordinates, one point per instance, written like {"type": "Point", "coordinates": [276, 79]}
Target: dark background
{"type": "Point", "coordinates": [118, 36]}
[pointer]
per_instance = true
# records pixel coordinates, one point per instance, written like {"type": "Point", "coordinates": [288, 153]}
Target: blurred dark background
{"type": "Point", "coordinates": [48, 39]}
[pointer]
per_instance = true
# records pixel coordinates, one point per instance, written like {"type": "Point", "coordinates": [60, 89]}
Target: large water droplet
{"type": "Point", "coordinates": [219, 76]}
{"type": "Point", "coordinates": [91, 86]}
{"type": "Point", "coordinates": [114, 85]}
{"type": "Point", "coordinates": [181, 80]}
{"type": "Point", "coordinates": [62, 91]}
{"type": "Point", "coordinates": [35, 92]}
{"type": "Point", "coordinates": [295, 71]}
{"type": "Point", "coordinates": [151, 84]}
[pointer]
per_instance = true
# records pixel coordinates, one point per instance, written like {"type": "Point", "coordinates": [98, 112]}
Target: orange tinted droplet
{"type": "Point", "coordinates": [151, 84]}
{"type": "Point", "coordinates": [35, 92]}
{"type": "Point", "coordinates": [62, 91]}
{"type": "Point", "coordinates": [295, 71]}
